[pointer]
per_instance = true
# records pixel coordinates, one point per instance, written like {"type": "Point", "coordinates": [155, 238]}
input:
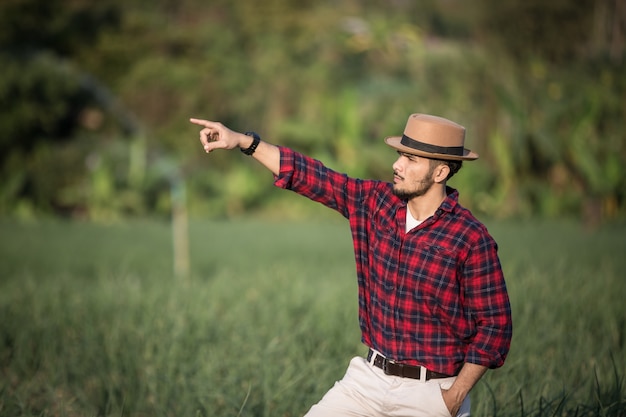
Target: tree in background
{"type": "Point", "coordinates": [566, 109]}
{"type": "Point", "coordinates": [47, 100]}
{"type": "Point", "coordinates": [539, 86]}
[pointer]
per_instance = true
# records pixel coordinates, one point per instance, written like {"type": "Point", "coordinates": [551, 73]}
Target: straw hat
{"type": "Point", "coordinates": [432, 137]}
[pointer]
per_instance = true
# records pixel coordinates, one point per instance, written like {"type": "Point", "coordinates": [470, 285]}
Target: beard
{"type": "Point", "coordinates": [422, 188]}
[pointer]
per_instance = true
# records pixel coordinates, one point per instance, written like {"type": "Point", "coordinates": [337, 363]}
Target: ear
{"type": "Point", "coordinates": [441, 173]}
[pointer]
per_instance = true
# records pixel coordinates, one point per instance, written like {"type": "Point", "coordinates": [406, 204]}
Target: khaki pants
{"type": "Point", "coordinates": [365, 391]}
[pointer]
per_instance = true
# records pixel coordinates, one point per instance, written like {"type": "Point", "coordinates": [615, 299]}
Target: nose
{"type": "Point", "coordinates": [397, 166]}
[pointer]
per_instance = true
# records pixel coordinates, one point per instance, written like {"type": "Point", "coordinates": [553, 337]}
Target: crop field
{"type": "Point", "coordinates": [93, 321]}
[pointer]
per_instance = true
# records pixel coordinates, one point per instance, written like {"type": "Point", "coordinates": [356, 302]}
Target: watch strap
{"type": "Point", "coordinates": [256, 139]}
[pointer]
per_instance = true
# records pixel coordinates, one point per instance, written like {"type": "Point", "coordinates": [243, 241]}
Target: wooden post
{"type": "Point", "coordinates": [180, 228]}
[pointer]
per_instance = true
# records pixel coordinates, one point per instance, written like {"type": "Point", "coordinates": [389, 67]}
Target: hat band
{"type": "Point", "coordinates": [426, 147]}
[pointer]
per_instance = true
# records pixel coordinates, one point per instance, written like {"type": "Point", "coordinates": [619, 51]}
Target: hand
{"type": "Point", "coordinates": [452, 401]}
{"type": "Point", "coordinates": [467, 378]}
{"type": "Point", "coordinates": [217, 136]}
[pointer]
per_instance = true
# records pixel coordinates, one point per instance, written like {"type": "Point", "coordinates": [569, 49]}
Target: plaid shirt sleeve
{"type": "Point", "coordinates": [486, 297]}
{"type": "Point", "coordinates": [312, 179]}
{"type": "Point", "coordinates": [435, 296]}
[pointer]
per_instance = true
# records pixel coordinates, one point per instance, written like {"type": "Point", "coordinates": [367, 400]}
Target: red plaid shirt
{"type": "Point", "coordinates": [435, 296]}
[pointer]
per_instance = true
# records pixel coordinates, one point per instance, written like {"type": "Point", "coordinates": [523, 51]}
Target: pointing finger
{"type": "Point", "coordinates": [202, 122]}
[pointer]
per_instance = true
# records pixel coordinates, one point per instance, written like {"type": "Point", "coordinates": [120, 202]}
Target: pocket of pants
{"type": "Point", "coordinates": [443, 408]}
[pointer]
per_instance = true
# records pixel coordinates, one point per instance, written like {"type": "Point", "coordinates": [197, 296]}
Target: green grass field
{"type": "Point", "coordinates": [93, 323]}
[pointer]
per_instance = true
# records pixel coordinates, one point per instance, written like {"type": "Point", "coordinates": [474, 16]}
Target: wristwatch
{"type": "Point", "coordinates": [256, 139]}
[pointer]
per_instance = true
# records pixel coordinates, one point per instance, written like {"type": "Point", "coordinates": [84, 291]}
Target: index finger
{"type": "Point", "coordinates": [202, 122]}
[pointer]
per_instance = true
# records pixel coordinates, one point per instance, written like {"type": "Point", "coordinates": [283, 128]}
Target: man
{"type": "Point", "coordinates": [433, 305]}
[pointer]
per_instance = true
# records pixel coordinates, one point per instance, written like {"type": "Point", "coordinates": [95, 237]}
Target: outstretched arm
{"type": "Point", "coordinates": [215, 135]}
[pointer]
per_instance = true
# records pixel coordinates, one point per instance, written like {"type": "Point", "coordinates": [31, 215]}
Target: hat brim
{"type": "Point", "coordinates": [394, 142]}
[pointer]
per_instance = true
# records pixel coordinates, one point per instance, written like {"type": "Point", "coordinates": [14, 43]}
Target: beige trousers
{"type": "Point", "coordinates": [365, 391]}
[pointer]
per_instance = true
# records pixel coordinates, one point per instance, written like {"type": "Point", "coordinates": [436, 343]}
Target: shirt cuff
{"type": "Point", "coordinates": [285, 174]}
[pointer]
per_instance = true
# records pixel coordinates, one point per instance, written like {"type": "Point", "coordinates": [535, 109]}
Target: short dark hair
{"type": "Point", "coordinates": [454, 165]}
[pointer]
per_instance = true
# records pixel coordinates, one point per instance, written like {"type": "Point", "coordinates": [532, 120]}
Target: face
{"type": "Point", "coordinates": [412, 176]}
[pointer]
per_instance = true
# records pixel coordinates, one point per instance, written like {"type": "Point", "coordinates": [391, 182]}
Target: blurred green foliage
{"type": "Point", "coordinates": [95, 99]}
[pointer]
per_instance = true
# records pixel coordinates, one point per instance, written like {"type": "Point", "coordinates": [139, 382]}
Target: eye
{"type": "Point", "coordinates": [408, 156]}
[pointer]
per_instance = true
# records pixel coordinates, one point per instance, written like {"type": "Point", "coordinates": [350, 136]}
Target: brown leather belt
{"type": "Point", "coordinates": [399, 369]}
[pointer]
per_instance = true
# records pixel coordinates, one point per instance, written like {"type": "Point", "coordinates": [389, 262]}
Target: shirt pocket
{"type": "Point", "coordinates": [383, 243]}
{"type": "Point", "coordinates": [437, 271]}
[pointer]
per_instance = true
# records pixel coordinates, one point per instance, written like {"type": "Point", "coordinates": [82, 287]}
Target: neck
{"type": "Point", "coordinates": [424, 206]}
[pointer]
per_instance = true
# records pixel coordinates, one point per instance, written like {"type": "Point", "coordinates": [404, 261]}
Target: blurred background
{"type": "Point", "coordinates": [95, 99]}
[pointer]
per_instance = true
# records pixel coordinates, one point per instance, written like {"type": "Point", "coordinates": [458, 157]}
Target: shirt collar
{"type": "Point", "coordinates": [450, 202]}
{"type": "Point", "coordinates": [447, 206]}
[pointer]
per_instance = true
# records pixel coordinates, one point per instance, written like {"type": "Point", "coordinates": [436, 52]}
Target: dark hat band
{"type": "Point", "coordinates": [426, 147]}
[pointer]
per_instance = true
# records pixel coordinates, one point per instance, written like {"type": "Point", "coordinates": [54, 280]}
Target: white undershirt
{"type": "Point", "coordinates": [411, 221]}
